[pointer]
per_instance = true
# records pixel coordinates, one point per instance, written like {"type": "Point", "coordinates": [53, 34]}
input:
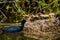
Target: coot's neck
{"type": "Point", "coordinates": [22, 25]}
{"type": "Point", "coordinates": [23, 22]}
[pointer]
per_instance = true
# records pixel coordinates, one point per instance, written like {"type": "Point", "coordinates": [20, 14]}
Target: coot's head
{"type": "Point", "coordinates": [23, 22]}
{"type": "Point", "coordinates": [35, 18]}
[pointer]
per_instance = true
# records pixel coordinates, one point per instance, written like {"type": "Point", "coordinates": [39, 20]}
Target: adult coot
{"type": "Point", "coordinates": [14, 28]}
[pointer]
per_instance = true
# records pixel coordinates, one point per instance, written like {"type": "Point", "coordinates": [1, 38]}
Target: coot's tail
{"type": "Point", "coordinates": [0, 28]}
{"type": "Point", "coordinates": [1, 32]}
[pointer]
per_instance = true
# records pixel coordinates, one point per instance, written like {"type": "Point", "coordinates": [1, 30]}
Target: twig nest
{"type": "Point", "coordinates": [38, 26]}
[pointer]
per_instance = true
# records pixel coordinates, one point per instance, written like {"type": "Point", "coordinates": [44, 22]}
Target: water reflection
{"type": "Point", "coordinates": [14, 36]}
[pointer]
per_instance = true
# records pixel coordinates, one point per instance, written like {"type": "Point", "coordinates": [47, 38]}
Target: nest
{"type": "Point", "coordinates": [40, 28]}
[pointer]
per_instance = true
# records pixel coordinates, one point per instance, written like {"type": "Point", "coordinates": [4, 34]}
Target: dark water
{"type": "Point", "coordinates": [14, 36]}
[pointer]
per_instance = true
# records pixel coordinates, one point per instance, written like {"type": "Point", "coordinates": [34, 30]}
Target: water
{"type": "Point", "coordinates": [14, 36]}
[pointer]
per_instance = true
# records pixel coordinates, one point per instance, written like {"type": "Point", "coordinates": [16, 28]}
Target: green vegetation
{"type": "Point", "coordinates": [16, 9]}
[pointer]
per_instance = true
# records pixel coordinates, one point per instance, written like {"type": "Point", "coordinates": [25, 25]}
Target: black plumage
{"type": "Point", "coordinates": [14, 28]}
{"type": "Point", "coordinates": [35, 18]}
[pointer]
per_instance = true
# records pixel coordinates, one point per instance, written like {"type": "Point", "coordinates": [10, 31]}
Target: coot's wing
{"type": "Point", "coordinates": [11, 29]}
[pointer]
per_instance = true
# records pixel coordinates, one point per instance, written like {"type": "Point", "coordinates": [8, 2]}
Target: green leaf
{"type": "Point", "coordinates": [7, 7]}
{"type": "Point", "coordinates": [27, 0]}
